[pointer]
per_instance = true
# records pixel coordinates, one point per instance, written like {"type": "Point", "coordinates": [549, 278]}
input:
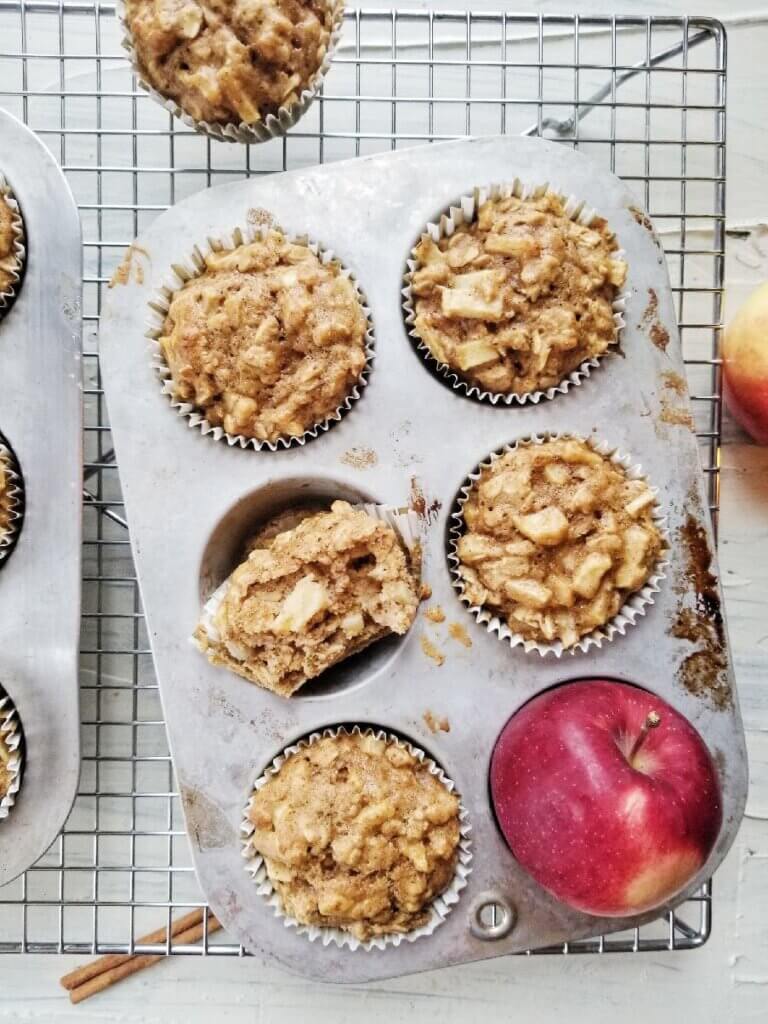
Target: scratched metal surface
{"type": "Point", "coordinates": [180, 486]}
{"type": "Point", "coordinates": [41, 415]}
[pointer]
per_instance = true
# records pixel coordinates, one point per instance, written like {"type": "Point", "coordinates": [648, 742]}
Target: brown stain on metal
{"type": "Point", "coordinates": [122, 274]}
{"type": "Point", "coordinates": [704, 671]}
{"type": "Point", "coordinates": [459, 634]}
{"type": "Point", "coordinates": [659, 336]}
{"type": "Point", "coordinates": [435, 724]}
{"type": "Point", "coordinates": [651, 309]}
{"type": "Point", "coordinates": [360, 458]}
{"type": "Point", "coordinates": [431, 651]}
{"type": "Point", "coordinates": [418, 503]}
{"type": "Point", "coordinates": [675, 416]}
{"type": "Point", "coordinates": [674, 382]}
{"type": "Point", "coordinates": [642, 218]}
{"type": "Point", "coordinates": [206, 822]}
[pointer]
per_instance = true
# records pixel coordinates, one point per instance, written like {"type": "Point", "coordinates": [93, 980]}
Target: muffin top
{"type": "Point", "coordinates": [267, 341]}
{"type": "Point", "coordinates": [518, 298]}
{"type": "Point", "coordinates": [230, 62]}
{"type": "Point", "coordinates": [6, 502]}
{"type": "Point", "coordinates": [357, 834]}
{"type": "Point", "coordinates": [9, 261]}
{"type": "Point", "coordinates": [557, 537]}
{"type": "Point", "coordinates": [310, 596]}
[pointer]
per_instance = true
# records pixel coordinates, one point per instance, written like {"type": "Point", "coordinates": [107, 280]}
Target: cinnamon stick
{"type": "Point", "coordinates": [95, 977]}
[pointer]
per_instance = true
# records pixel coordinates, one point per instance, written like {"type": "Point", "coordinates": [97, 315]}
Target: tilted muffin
{"type": "Point", "coordinates": [519, 297]}
{"type": "Point", "coordinates": [11, 235]}
{"type": "Point", "coordinates": [309, 597]}
{"type": "Point", "coordinates": [268, 341]}
{"type": "Point", "coordinates": [557, 538]}
{"type": "Point", "coordinates": [356, 833]}
{"type": "Point", "coordinates": [231, 63]}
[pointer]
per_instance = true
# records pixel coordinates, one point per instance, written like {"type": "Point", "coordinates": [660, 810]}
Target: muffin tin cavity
{"type": "Point", "coordinates": [241, 378]}
{"type": "Point", "coordinates": [636, 600]}
{"type": "Point", "coordinates": [471, 291]}
{"type": "Point", "coordinates": [275, 503]}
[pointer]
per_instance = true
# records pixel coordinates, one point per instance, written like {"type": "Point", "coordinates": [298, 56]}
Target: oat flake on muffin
{"type": "Point", "coordinates": [519, 297]}
{"type": "Point", "coordinates": [268, 341]}
{"type": "Point", "coordinates": [309, 597]}
{"type": "Point", "coordinates": [557, 538]}
{"type": "Point", "coordinates": [356, 833]}
{"type": "Point", "coordinates": [231, 62]}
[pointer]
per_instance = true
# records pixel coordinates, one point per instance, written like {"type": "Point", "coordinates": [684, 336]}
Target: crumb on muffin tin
{"type": "Point", "coordinates": [520, 296]}
{"type": "Point", "coordinates": [356, 833]}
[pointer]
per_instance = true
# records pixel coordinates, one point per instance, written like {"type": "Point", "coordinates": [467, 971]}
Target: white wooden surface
{"type": "Point", "coordinates": [727, 980]}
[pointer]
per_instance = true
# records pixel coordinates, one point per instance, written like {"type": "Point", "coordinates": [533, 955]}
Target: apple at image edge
{"type": "Point", "coordinates": [605, 830]}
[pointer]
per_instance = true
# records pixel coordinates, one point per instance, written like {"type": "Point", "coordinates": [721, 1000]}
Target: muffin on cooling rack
{"type": "Point", "coordinates": [268, 341]}
{"type": "Point", "coordinates": [320, 590]}
{"type": "Point", "coordinates": [356, 833]}
{"type": "Point", "coordinates": [243, 66]}
{"type": "Point", "coordinates": [557, 537]}
{"type": "Point", "coordinates": [517, 298]}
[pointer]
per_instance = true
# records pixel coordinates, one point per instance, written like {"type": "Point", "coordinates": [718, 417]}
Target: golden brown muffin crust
{"type": "Point", "coordinates": [309, 597]}
{"type": "Point", "coordinates": [357, 834]}
{"type": "Point", "coordinates": [225, 61]}
{"type": "Point", "coordinates": [557, 537]}
{"type": "Point", "coordinates": [520, 297]}
{"type": "Point", "coordinates": [9, 262]}
{"type": "Point", "coordinates": [268, 341]}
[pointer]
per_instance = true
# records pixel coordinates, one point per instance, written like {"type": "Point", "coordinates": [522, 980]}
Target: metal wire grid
{"type": "Point", "coordinates": [645, 95]}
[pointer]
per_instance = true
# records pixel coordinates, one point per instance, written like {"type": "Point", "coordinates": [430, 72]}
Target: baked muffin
{"type": "Point", "coordinates": [268, 341]}
{"type": "Point", "coordinates": [225, 62]}
{"type": "Point", "coordinates": [309, 597]}
{"type": "Point", "coordinates": [7, 500]}
{"type": "Point", "coordinates": [518, 298]}
{"type": "Point", "coordinates": [557, 538]}
{"type": "Point", "coordinates": [356, 833]}
{"type": "Point", "coordinates": [6, 775]}
{"type": "Point", "coordinates": [10, 264]}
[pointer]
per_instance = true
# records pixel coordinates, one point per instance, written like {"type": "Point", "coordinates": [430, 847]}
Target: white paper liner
{"type": "Point", "coordinates": [194, 267]}
{"type": "Point", "coordinates": [440, 907]}
{"type": "Point", "coordinates": [19, 249]}
{"type": "Point", "coordinates": [463, 212]}
{"type": "Point", "coordinates": [10, 732]}
{"type": "Point", "coordinates": [405, 523]}
{"type": "Point", "coordinates": [636, 604]}
{"type": "Point", "coordinates": [272, 126]}
{"type": "Point", "coordinates": [15, 493]}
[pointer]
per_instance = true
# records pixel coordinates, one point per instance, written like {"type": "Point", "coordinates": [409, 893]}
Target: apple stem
{"type": "Point", "coordinates": [653, 719]}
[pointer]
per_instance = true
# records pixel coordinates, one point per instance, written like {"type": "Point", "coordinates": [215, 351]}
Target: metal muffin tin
{"type": "Point", "coordinates": [192, 500]}
{"type": "Point", "coordinates": [41, 416]}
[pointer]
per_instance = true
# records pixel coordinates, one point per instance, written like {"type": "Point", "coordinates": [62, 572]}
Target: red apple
{"type": "Point", "coordinates": [606, 795]}
{"type": "Point", "coordinates": [745, 365]}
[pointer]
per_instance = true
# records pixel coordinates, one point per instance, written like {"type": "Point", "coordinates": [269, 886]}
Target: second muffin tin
{"type": "Point", "coordinates": [192, 501]}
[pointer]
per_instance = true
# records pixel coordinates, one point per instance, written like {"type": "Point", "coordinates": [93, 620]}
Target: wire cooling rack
{"type": "Point", "coordinates": [646, 96]}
